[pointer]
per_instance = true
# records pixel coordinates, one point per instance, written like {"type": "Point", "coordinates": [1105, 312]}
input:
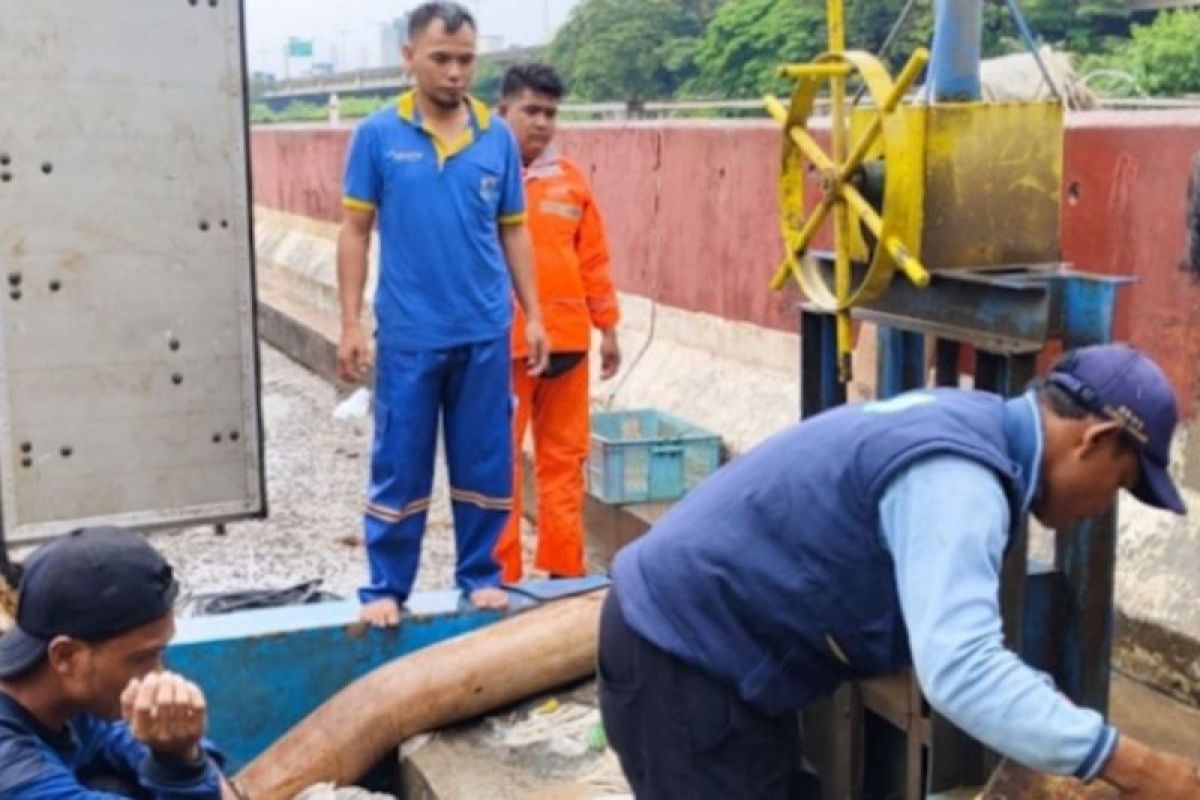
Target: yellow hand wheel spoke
{"type": "Point", "coordinates": [861, 148]}
{"type": "Point", "coordinates": [841, 288]}
{"type": "Point", "coordinates": [812, 151]}
{"type": "Point", "coordinates": [904, 81]}
{"type": "Point", "coordinates": [798, 242]}
{"type": "Point", "coordinates": [911, 267]}
{"type": "Point", "coordinates": [864, 210]}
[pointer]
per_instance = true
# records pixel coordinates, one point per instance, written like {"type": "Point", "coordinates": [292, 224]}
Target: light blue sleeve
{"type": "Point", "coordinates": [945, 521]}
{"type": "Point", "coordinates": [362, 185]}
{"type": "Point", "coordinates": [512, 190]}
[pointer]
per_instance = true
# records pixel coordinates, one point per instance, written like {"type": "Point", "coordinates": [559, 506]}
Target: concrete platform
{"type": "Point", "coordinates": [544, 749]}
{"type": "Point", "coordinates": [433, 769]}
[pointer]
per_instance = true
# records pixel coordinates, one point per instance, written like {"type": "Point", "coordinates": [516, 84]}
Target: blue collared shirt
{"type": "Point", "coordinates": [443, 276]}
{"type": "Point", "coordinates": [37, 764]}
{"type": "Point", "coordinates": [946, 522]}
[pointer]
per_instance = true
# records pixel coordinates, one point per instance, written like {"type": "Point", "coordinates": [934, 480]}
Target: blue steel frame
{"type": "Point", "coordinates": [1058, 617]}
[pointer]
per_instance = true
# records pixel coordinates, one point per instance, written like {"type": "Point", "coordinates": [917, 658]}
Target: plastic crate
{"type": "Point", "coordinates": [643, 455]}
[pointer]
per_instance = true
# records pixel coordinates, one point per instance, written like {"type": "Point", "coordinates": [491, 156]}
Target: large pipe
{"type": "Point", "coordinates": [957, 50]}
{"type": "Point", "coordinates": [445, 683]}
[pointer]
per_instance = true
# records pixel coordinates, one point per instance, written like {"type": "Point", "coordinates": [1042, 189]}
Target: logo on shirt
{"type": "Point", "coordinates": [489, 188]}
{"type": "Point", "coordinates": [405, 156]}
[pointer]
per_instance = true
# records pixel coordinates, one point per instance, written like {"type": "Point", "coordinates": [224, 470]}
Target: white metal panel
{"type": "Point", "coordinates": [128, 357]}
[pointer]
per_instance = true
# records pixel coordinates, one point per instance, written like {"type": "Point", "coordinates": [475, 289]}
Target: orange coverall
{"type": "Point", "coordinates": [576, 293]}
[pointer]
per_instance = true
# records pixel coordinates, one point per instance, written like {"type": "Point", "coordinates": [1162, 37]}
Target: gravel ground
{"type": "Point", "coordinates": [316, 476]}
{"type": "Point", "coordinates": [316, 479]}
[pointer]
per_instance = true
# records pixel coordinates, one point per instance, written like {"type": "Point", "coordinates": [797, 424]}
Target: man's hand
{"type": "Point", "coordinates": [167, 714]}
{"type": "Point", "coordinates": [610, 354]}
{"type": "Point", "coordinates": [354, 354]}
{"type": "Point", "coordinates": [539, 348]}
{"type": "Point", "coordinates": [1144, 774]}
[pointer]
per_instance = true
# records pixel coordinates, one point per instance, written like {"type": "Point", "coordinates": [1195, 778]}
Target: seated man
{"type": "Point", "coordinates": [86, 709]}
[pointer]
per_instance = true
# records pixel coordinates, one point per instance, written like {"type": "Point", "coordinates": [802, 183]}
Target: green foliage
{"type": "Point", "coordinates": [296, 111]}
{"type": "Point", "coordinates": [488, 78]}
{"type": "Point", "coordinates": [1163, 58]}
{"type": "Point", "coordinates": [746, 42]}
{"type": "Point", "coordinates": [1081, 26]}
{"type": "Point", "coordinates": [629, 49]}
{"type": "Point", "coordinates": [1165, 55]}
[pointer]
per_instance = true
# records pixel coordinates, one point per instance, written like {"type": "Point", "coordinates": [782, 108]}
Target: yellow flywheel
{"type": "Point", "coordinates": [843, 174]}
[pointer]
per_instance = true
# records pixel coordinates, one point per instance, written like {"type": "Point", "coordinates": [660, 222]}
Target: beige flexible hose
{"type": "Point", "coordinates": [445, 683]}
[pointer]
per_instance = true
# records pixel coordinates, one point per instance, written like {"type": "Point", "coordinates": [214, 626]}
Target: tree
{"type": "Point", "coordinates": [748, 39]}
{"type": "Point", "coordinates": [1164, 55]}
{"type": "Point", "coordinates": [629, 49]}
{"type": "Point", "coordinates": [488, 78]}
{"type": "Point", "coordinates": [746, 42]}
{"type": "Point", "coordinates": [1078, 25]}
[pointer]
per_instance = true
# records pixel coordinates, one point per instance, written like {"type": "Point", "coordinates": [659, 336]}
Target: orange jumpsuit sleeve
{"type": "Point", "coordinates": [591, 245]}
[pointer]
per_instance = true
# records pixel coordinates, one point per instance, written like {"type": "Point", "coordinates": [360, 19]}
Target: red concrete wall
{"type": "Point", "coordinates": [1126, 181]}
{"type": "Point", "coordinates": [691, 211]}
{"type": "Point", "coordinates": [299, 170]}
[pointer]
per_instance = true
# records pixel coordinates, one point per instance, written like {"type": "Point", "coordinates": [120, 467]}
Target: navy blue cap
{"type": "Point", "coordinates": [1123, 384]}
{"type": "Point", "coordinates": [91, 584]}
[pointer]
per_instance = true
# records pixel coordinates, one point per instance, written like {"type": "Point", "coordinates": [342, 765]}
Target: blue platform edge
{"type": "Point", "coordinates": [264, 671]}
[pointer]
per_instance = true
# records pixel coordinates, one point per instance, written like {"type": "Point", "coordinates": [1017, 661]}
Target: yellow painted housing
{"type": "Point", "coordinates": [977, 185]}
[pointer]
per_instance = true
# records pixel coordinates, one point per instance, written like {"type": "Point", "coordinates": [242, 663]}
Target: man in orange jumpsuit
{"type": "Point", "coordinates": [571, 256]}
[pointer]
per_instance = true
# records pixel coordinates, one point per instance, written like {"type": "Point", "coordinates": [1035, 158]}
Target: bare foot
{"type": "Point", "coordinates": [489, 598]}
{"type": "Point", "coordinates": [383, 613]}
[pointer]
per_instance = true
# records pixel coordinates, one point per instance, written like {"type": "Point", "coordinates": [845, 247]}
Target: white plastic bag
{"type": "Point", "coordinates": [356, 406]}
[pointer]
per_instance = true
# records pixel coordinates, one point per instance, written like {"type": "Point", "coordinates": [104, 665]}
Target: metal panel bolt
{"type": "Point", "coordinates": [26, 462]}
{"type": "Point", "coordinates": [55, 285]}
{"type": "Point", "coordinates": [66, 452]}
{"type": "Point", "coordinates": [15, 294]}
{"type": "Point", "coordinates": [177, 379]}
{"type": "Point", "coordinates": [5, 176]}
{"type": "Point", "coordinates": [234, 436]}
{"type": "Point", "coordinates": [26, 447]}
{"type": "Point", "coordinates": [224, 223]}
{"type": "Point", "coordinates": [47, 168]}
{"type": "Point", "coordinates": [203, 225]}
{"type": "Point", "coordinates": [173, 343]}
{"type": "Point", "coordinates": [5, 160]}
{"type": "Point", "coordinates": [216, 438]}
{"type": "Point", "coordinates": [14, 279]}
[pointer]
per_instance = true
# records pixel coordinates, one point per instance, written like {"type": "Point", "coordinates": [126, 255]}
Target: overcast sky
{"type": "Point", "coordinates": [354, 26]}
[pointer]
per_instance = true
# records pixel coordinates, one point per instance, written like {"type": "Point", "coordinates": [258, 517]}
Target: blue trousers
{"type": "Point", "coordinates": [470, 388]}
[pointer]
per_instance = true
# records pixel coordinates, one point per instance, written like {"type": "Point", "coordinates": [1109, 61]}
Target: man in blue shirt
{"type": "Point", "coordinates": [86, 710]}
{"type": "Point", "coordinates": [862, 541]}
{"type": "Point", "coordinates": [442, 176]}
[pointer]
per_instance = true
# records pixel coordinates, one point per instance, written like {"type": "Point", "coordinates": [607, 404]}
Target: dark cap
{"type": "Point", "coordinates": [92, 584]}
{"type": "Point", "coordinates": [1123, 384]}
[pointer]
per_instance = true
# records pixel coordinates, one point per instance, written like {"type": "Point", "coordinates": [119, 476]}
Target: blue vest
{"type": "Point", "coordinates": [773, 575]}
